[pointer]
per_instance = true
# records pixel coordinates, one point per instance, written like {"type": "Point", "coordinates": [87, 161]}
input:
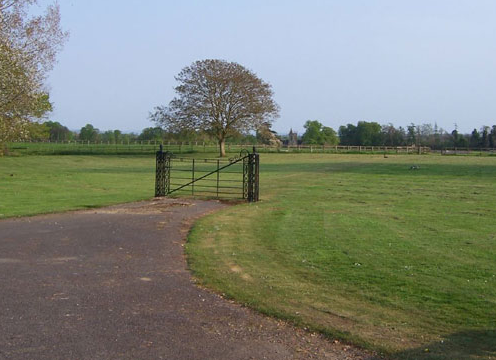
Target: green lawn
{"type": "Point", "coordinates": [358, 247]}
{"type": "Point", "coordinates": [365, 249]}
{"type": "Point", "coordinates": [40, 184]}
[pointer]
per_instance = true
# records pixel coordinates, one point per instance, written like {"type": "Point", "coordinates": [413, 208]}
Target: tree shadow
{"type": "Point", "coordinates": [470, 344]}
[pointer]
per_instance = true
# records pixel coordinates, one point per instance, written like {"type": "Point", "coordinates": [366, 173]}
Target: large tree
{"type": "Point", "coordinates": [219, 97]}
{"type": "Point", "coordinates": [28, 45]}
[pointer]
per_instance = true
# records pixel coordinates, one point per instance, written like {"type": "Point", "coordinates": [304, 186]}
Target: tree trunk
{"type": "Point", "coordinates": [222, 148]}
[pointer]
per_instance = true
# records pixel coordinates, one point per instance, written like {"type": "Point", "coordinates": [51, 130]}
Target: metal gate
{"type": "Point", "coordinates": [234, 178]}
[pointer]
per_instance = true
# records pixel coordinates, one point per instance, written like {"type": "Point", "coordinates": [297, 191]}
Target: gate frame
{"type": "Point", "coordinates": [251, 173]}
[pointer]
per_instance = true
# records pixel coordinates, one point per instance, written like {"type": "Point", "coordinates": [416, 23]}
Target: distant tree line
{"type": "Point", "coordinates": [362, 134]}
{"type": "Point", "coordinates": [54, 131]}
{"type": "Point", "coordinates": [373, 134]}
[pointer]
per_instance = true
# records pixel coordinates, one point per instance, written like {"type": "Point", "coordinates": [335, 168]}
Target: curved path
{"type": "Point", "coordinates": [112, 283]}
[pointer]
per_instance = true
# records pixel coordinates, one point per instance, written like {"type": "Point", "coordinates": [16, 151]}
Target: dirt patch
{"type": "Point", "coordinates": [154, 207]}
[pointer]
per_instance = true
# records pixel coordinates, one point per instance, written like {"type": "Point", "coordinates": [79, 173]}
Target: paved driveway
{"type": "Point", "coordinates": [112, 284]}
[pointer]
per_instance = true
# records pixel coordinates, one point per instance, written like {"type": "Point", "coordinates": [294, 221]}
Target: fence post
{"type": "Point", "coordinates": [193, 178]}
{"type": "Point", "coordinates": [245, 176]}
{"type": "Point", "coordinates": [253, 176]}
{"type": "Point", "coordinates": [218, 175]}
{"type": "Point", "coordinates": [256, 190]}
{"type": "Point", "coordinates": [250, 178]}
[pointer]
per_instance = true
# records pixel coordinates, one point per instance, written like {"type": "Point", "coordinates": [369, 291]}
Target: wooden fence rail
{"type": "Point", "coordinates": [180, 147]}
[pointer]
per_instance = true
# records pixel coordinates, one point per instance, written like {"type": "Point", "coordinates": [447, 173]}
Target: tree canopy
{"type": "Point", "coordinates": [364, 133]}
{"type": "Point", "coordinates": [218, 97]}
{"type": "Point", "coordinates": [88, 133]}
{"type": "Point", "coordinates": [58, 132]}
{"type": "Point", "coordinates": [28, 46]}
{"type": "Point", "coordinates": [152, 133]}
{"type": "Point", "coordinates": [318, 134]}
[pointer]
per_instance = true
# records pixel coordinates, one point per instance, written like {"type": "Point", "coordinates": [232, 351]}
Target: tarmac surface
{"type": "Point", "coordinates": [113, 283]}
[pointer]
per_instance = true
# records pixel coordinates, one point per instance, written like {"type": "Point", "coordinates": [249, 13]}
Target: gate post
{"type": "Point", "coordinates": [162, 173]}
{"type": "Point", "coordinates": [256, 171]}
{"type": "Point", "coordinates": [250, 177]}
{"type": "Point", "coordinates": [253, 176]}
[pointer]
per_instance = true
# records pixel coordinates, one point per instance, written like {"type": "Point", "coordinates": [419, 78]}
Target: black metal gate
{"type": "Point", "coordinates": [234, 178]}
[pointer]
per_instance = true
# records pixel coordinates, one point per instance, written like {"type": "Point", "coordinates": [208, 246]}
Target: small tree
{"type": "Point", "coordinates": [475, 139]}
{"type": "Point", "coordinates": [492, 137]}
{"type": "Point", "coordinates": [28, 45]}
{"type": "Point", "coordinates": [219, 97]}
{"type": "Point", "coordinates": [484, 141]}
{"type": "Point", "coordinates": [266, 135]}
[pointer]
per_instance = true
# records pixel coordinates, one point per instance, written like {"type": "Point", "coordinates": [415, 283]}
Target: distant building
{"type": "Point", "coordinates": [292, 138]}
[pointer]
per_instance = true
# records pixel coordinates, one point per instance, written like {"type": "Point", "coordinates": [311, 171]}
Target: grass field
{"type": "Point", "coordinates": [40, 184]}
{"type": "Point", "coordinates": [365, 249]}
{"type": "Point", "coordinates": [358, 247]}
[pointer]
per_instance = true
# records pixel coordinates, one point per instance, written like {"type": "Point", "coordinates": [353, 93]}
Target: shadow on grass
{"type": "Point", "coordinates": [470, 344]}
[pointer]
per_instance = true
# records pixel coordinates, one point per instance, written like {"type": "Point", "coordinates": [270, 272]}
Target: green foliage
{"type": "Point", "coordinates": [364, 134]}
{"type": "Point", "coordinates": [475, 139]}
{"type": "Point", "coordinates": [318, 134]}
{"type": "Point", "coordinates": [111, 136]}
{"type": "Point", "coordinates": [88, 133]}
{"type": "Point", "coordinates": [492, 137]}
{"type": "Point", "coordinates": [152, 133]}
{"type": "Point", "coordinates": [38, 132]}
{"type": "Point", "coordinates": [58, 132]}
{"type": "Point", "coordinates": [393, 136]}
{"type": "Point", "coordinates": [484, 141]}
{"type": "Point", "coordinates": [28, 47]}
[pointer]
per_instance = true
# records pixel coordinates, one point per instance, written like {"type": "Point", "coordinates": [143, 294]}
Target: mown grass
{"type": "Point", "coordinates": [32, 185]}
{"type": "Point", "coordinates": [366, 249]}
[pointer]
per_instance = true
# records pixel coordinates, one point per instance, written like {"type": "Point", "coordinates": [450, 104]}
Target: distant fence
{"type": "Point", "coordinates": [467, 151]}
{"type": "Point", "coordinates": [151, 147]}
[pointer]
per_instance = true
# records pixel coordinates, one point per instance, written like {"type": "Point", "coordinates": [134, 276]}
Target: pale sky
{"type": "Point", "coordinates": [333, 61]}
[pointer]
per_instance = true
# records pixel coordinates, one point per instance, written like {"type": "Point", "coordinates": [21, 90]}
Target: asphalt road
{"type": "Point", "coordinates": [112, 283]}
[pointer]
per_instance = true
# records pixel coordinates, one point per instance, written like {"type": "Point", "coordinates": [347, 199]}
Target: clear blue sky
{"type": "Point", "coordinates": [334, 61]}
